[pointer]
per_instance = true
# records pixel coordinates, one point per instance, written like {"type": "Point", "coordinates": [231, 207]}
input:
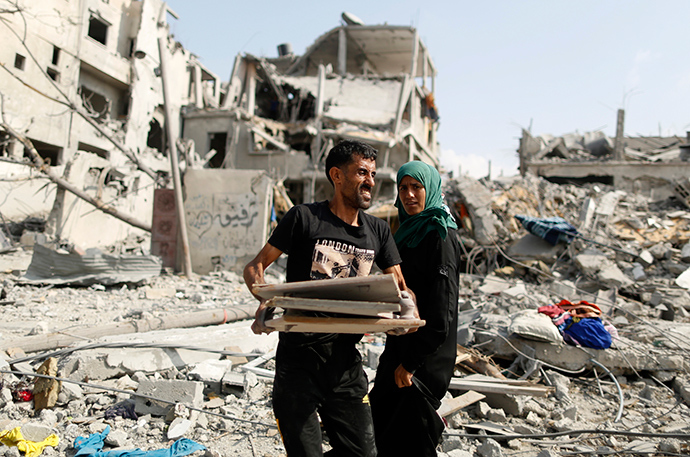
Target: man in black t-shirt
{"type": "Point", "coordinates": [322, 372]}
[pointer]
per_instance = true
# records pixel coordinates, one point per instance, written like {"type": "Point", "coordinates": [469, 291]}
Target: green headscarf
{"type": "Point", "coordinates": [436, 215]}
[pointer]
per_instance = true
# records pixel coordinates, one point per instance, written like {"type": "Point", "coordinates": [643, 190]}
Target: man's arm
{"type": "Point", "coordinates": [254, 274]}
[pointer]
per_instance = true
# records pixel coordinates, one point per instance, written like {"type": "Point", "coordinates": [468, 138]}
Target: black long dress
{"type": "Point", "coordinates": [405, 419]}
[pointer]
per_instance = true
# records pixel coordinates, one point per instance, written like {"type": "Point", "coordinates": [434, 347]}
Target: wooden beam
{"type": "Point", "coordinates": [305, 324]}
{"type": "Point", "coordinates": [500, 387]}
{"type": "Point", "coordinates": [377, 288]}
{"type": "Point", "coordinates": [448, 407]}
{"type": "Point", "coordinates": [362, 308]}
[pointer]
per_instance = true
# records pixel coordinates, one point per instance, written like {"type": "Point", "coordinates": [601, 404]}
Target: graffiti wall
{"type": "Point", "coordinates": [228, 215]}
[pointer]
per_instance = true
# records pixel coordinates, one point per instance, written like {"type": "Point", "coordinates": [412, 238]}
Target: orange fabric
{"type": "Point", "coordinates": [581, 308]}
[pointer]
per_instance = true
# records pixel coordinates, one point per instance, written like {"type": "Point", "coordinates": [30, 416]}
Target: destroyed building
{"type": "Point", "coordinates": [88, 90]}
{"type": "Point", "coordinates": [373, 83]}
{"type": "Point", "coordinates": [82, 82]}
{"type": "Point", "coordinates": [656, 166]}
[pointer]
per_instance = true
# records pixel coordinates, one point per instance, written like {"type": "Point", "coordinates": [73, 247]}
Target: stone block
{"type": "Point", "coordinates": [185, 392]}
{"type": "Point", "coordinates": [612, 276]}
{"type": "Point", "coordinates": [89, 366]}
{"type": "Point", "coordinates": [590, 263]}
{"type": "Point", "coordinates": [638, 272]}
{"type": "Point", "coordinates": [33, 431]}
{"type": "Point", "coordinates": [661, 251]}
{"type": "Point", "coordinates": [211, 373]}
{"type": "Point", "coordinates": [645, 258]}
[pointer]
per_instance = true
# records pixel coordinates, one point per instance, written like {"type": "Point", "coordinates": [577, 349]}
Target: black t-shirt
{"type": "Point", "coordinates": [320, 245]}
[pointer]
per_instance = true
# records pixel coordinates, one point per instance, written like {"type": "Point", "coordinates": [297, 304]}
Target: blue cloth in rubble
{"type": "Point", "coordinates": [551, 229]}
{"type": "Point", "coordinates": [588, 332]}
{"type": "Point", "coordinates": [92, 446]}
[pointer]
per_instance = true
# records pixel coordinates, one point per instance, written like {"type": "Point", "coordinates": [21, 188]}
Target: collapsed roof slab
{"type": "Point", "coordinates": [383, 49]}
{"type": "Point", "coordinates": [357, 100]}
{"type": "Point", "coordinates": [626, 358]}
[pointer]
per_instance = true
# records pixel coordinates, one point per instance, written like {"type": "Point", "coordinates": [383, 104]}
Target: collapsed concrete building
{"type": "Point", "coordinates": [373, 83]}
{"type": "Point", "coordinates": [653, 165]}
{"type": "Point", "coordinates": [82, 82]}
{"type": "Point", "coordinates": [89, 91]}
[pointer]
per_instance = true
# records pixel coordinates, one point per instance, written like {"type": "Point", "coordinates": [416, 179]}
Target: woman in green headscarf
{"type": "Point", "coordinates": [415, 369]}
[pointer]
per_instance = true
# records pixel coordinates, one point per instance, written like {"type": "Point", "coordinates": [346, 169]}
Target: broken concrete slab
{"type": "Point", "coordinates": [535, 248]}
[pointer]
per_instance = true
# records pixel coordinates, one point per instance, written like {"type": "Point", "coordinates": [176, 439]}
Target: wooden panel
{"type": "Point", "coordinates": [362, 308]}
{"type": "Point", "coordinates": [377, 288]}
{"type": "Point", "coordinates": [454, 404]}
{"type": "Point", "coordinates": [340, 324]}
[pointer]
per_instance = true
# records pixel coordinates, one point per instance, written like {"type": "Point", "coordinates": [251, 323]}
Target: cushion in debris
{"type": "Point", "coordinates": [531, 324]}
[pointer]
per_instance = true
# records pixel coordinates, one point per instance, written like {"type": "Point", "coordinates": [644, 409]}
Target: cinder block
{"type": "Point", "coordinates": [185, 392]}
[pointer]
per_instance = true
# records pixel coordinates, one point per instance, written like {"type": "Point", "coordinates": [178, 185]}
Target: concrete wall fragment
{"type": "Point", "coordinates": [228, 214]}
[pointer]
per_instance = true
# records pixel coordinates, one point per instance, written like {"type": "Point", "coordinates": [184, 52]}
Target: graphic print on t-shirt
{"type": "Point", "coordinates": [335, 259]}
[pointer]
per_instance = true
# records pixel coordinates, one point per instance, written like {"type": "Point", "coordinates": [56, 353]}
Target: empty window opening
{"type": "Point", "coordinates": [98, 29]}
{"type": "Point", "coordinates": [50, 154]}
{"type": "Point", "coordinates": [300, 141]}
{"type": "Point", "coordinates": [155, 136]}
{"type": "Point", "coordinates": [53, 74]}
{"type": "Point", "coordinates": [96, 104]}
{"type": "Point", "coordinates": [5, 144]}
{"type": "Point", "coordinates": [19, 61]}
{"type": "Point", "coordinates": [56, 55]}
{"type": "Point", "coordinates": [217, 142]}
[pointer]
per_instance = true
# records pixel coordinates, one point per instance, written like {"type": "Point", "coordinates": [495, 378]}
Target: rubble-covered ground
{"type": "Point", "coordinates": [150, 374]}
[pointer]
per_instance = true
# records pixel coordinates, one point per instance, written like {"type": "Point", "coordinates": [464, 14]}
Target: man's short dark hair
{"type": "Point", "coordinates": [343, 153]}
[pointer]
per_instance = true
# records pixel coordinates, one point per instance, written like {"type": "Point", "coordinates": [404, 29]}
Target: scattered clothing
{"type": "Point", "coordinates": [580, 324]}
{"type": "Point", "coordinates": [92, 446]}
{"type": "Point", "coordinates": [14, 437]}
{"type": "Point", "coordinates": [588, 332]}
{"type": "Point", "coordinates": [124, 410]}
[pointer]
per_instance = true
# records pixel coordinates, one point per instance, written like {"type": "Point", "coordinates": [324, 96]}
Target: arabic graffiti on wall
{"type": "Point", "coordinates": [223, 222]}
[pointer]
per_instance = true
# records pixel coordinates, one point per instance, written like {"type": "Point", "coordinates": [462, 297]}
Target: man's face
{"type": "Point", "coordinates": [358, 182]}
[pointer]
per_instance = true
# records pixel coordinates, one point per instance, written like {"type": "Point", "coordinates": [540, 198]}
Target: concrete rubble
{"type": "Point", "coordinates": [207, 383]}
{"type": "Point", "coordinates": [100, 336]}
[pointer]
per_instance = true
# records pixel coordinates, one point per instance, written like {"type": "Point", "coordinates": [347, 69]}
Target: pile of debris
{"type": "Point", "coordinates": [172, 362]}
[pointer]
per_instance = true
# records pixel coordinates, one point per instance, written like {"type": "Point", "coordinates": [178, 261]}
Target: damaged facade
{"type": "Point", "coordinates": [654, 165]}
{"type": "Point", "coordinates": [82, 82]}
{"type": "Point", "coordinates": [283, 114]}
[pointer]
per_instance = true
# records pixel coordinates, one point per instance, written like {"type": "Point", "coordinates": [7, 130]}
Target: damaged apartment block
{"type": "Point", "coordinates": [82, 83]}
{"type": "Point", "coordinates": [283, 114]}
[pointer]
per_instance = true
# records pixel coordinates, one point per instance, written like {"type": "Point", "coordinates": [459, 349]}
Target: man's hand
{"type": "Point", "coordinates": [408, 309]}
{"type": "Point", "coordinates": [263, 313]}
{"type": "Point", "coordinates": [403, 378]}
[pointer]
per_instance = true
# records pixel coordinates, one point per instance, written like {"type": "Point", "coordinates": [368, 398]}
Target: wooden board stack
{"type": "Point", "coordinates": [371, 300]}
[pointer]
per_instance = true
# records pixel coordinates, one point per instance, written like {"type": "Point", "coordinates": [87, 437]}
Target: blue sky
{"type": "Point", "coordinates": [553, 66]}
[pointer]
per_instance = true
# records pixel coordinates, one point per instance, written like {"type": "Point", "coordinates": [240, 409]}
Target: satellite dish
{"type": "Point", "coordinates": [351, 19]}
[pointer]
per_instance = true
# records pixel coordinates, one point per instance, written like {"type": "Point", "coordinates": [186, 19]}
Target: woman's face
{"type": "Point", "coordinates": [412, 195]}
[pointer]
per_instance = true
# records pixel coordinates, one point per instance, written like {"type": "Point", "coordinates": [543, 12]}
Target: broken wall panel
{"type": "Point", "coordinates": [80, 222]}
{"type": "Point", "coordinates": [228, 215]}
